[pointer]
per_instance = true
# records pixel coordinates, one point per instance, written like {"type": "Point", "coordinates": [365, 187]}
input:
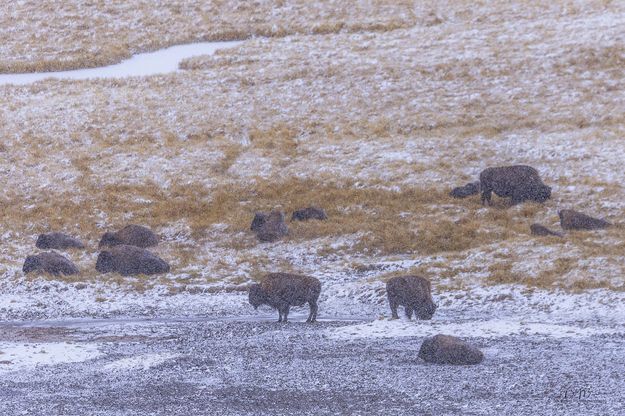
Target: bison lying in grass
{"type": "Point", "coordinates": [130, 235]}
{"type": "Point", "coordinates": [283, 290]}
{"type": "Point", "coordinates": [574, 220]}
{"type": "Point", "coordinates": [49, 262]}
{"type": "Point", "coordinates": [58, 241]}
{"type": "Point", "coordinates": [130, 260]}
{"type": "Point", "coordinates": [414, 293]}
{"type": "Point", "coordinates": [521, 183]}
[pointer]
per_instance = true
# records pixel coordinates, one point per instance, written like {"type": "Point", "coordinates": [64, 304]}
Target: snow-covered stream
{"type": "Point", "coordinates": [152, 63]}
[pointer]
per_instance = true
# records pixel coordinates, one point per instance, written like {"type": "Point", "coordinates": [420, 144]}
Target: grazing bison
{"type": "Point", "coordinates": [573, 220]}
{"type": "Point", "coordinates": [469, 189]}
{"type": "Point", "coordinates": [58, 241]}
{"type": "Point", "coordinates": [413, 293]}
{"type": "Point", "coordinates": [283, 290]}
{"type": "Point", "coordinates": [541, 230]}
{"type": "Point", "coordinates": [521, 183]}
{"type": "Point", "coordinates": [130, 260]}
{"type": "Point", "coordinates": [445, 349]}
{"type": "Point", "coordinates": [130, 235]}
{"type": "Point", "coordinates": [310, 213]}
{"type": "Point", "coordinates": [269, 227]}
{"type": "Point", "coordinates": [49, 262]}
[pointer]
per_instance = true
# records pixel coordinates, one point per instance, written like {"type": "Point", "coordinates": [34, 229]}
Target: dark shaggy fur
{"type": "Point", "coordinates": [130, 260]}
{"type": "Point", "coordinates": [130, 235]}
{"type": "Point", "coordinates": [58, 241]}
{"type": "Point", "coordinates": [445, 349]}
{"type": "Point", "coordinates": [469, 189]}
{"type": "Point", "coordinates": [310, 213]}
{"type": "Point", "coordinates": [414, 293]}
{"type": "Point", "coordinates": [283, 290]}
{"type": "Point", "coordinates": [259, 220]}
{"type": "Point", "coordinates": [49, 262]}
{"type": "Point", "coordinates": [269, 227]}
{"type": "Point", "coordinates": [573, 220]}
{"type": "Point", "coordinates": [541, 230]}
{"type": "Point", "coordinates": [521, 183]}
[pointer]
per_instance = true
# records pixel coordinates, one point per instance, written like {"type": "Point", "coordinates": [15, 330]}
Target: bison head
{"type": "Point", "coordinates": [44, 241]}
{"type": "Point", "coordinates": [31, 263]}
{"type": "Point", "coordinates": [257, 296]}
{"type": "Point", "coordinates": [426, 309]}
{"type": "Point", "coordinates": [104, 264]}
{"type": "Point", "coordinates": [543, 193]}
{"type": "Point", "coordinates": [108, 240]}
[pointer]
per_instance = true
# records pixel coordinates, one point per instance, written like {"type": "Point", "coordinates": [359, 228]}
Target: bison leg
{"type": "Point", "coordinates": [393, 305]}
{"type": "Point", "coordinates": [279, 314]}
{"type": "Point", "coordinates": [486, 196]}
{"type": "Point", "coordinates": [312, 317]}
{"type": "Point", "coordinates": [285, 313]}
{"type": "Point", "coordinates": [408, 311]}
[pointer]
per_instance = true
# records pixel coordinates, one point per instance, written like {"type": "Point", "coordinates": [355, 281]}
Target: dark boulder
{"type": "Point", "coordinates": [283, 290]}
{"type": "Point", "coordinates": [272, 227]}
{"type": "Point", "coordinates": [446, 349]}
{"type": "Point", "coordinates": [519, 182]}
{"type": "Point", "coordinates": [414, 293]}
{"type": "Point", "coordinates": [541, 230]}
{"type": "Point", "coordinates": [469, 189]}
{"type": "Point", "coordinates": [574, 220]}
{"type": "Point", "coordinates": [310, 213]}
{"type": "Point", "coordinates": [130, 260]}
{"type": "Point", "coordinates": [49, 262]}
{"type": "Point", "coordinates": [58, 241]}
{"type": "Point", "coordinates": [130, 235]}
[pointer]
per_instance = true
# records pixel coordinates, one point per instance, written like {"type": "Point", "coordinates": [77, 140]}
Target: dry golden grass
{"type": "Point", "coordinates": [375, 127]}
{"type": "Point", "coordinates": [49, 36]}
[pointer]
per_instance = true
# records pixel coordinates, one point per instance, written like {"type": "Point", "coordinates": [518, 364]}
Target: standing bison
{"type": "Point", "coordinates": [283, 290]}
{"type": "Point", "coordinates": [520, 182]}
{"type": "Point", "coordinates": [414, 293]}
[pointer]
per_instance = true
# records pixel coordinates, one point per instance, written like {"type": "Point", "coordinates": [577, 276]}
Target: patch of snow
{"type": "Point", "coordinates": [152, 63]}
{"type": "Point", "coordinates": [26, 356]}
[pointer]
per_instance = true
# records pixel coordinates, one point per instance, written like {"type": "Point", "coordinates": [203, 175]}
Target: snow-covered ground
{"type": "Point", "coordinates": [373, 125]}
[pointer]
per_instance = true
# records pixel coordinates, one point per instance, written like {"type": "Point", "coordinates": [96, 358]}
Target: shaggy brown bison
{"type": "Point", "coordinates": [573, 220]}
{"type": "Point", "coordinates": [283, 290]}
{"type": "Point", "coordinates": [269, 227]}
{"type": "Point", "coordinates": [413, 293]}
{"type": "Point", "coordinates": [130, 260]}
{"type": "Point", "coordinates": [49, 262]}
{"type": "Point", "coordinates": [445, 349]}
{"type": "Point", "coordinates": [130, 235]}
{"type": "Point", "coordinates": [310, 213]}
{"type": "Point", "coordinates": [520, 182]}
{"type": "Point", "coordinates": [58, 241]}
{"type": "Point", "coordinates": [469, 189]}
{"type": "Point", "coordinates": [541, 230]}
